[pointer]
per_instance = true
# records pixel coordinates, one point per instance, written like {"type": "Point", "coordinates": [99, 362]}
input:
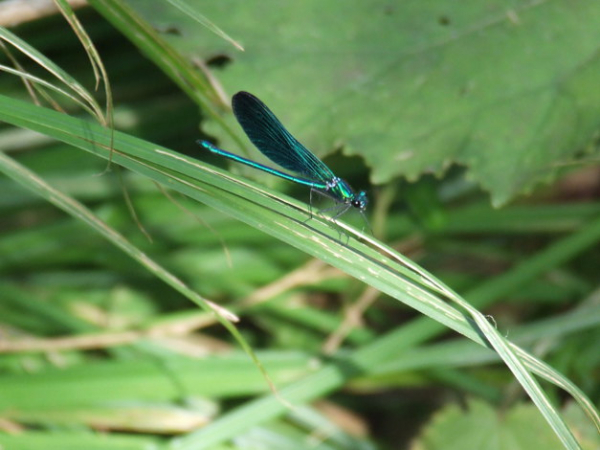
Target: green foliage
{"type": "Point", "coordinates": [107, 337]}
{"type": "Point", "coordinates": [519, 428]}
{"type": "Point", "coordinates": [509, 91]}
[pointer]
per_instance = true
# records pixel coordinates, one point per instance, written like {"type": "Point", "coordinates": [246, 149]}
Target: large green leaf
{"type": "Point", "coordinates": [508, 89]}
{"type": "Point", "coordinates": [480, 426]}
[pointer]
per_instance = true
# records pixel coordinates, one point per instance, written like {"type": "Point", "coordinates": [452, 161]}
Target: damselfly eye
{"type": "Point", "coordinates": [360, 201]}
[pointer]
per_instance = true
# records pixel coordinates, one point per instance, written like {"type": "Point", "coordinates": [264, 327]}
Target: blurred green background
{"type": "Point", "coordinates": [472, 126]}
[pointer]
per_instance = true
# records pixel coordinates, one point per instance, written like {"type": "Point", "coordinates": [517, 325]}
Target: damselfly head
{"type": "Point", "coordinates": [360, 201]}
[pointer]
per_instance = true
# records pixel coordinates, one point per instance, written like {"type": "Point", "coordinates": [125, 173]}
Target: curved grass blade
{"type": "Point", "coordinates": [285, 219]}
{"type": "Point", "coordinates": [40, 82]}
{"type": "Point", "coordinates": [55, 70]}
{"type": "Point", "coordinates": [170, 61]}
{"type": "Point", "coordinates": [186, 9]}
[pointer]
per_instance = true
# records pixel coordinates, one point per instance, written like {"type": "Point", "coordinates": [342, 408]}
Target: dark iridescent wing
{"type": "Point", "coordinates": [269, 135]}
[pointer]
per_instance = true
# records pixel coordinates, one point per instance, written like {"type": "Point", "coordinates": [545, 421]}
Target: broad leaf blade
{"type": "Point", "coordinates": [414, 87]}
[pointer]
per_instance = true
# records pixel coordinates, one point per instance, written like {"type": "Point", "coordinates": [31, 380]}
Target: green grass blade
{"type": "Point", "coordinates": [201, 19]}
{"type": "Point", "coordinates": [40, 82]}
{"type": "Point", "coordinates": [54, 69]}
{"type": "Point", "coordinates": [169, 60]}
{"type": "Point", "coordinates": [285, 219]}
{"type": "Point", "coordinates": [29, 179]}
